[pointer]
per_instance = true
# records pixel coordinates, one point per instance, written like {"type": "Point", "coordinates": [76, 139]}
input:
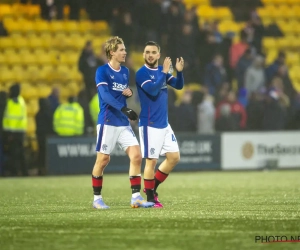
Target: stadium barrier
{"type": "Point", "coordinates": [77, 155]}
{"type": "Point", "coordinates": [259, 150]}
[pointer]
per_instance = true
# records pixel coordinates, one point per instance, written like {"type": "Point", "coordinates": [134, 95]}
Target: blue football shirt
{"type": "Point", "coordinates": [110, 84]}
{"type": "Point", "coordinates": [153, 94]}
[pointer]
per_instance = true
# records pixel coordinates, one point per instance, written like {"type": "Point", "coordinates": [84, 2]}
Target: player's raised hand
{"type": "Point", "coordinates": [179, 64]}
{"type": "Point", "coordinates": [129, 113]}
{"type": "Point", "coordinates": [127, 92]}
{"type": "Point", "coordinates": [166, 65]}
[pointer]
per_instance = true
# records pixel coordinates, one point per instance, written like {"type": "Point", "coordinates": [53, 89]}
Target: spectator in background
{"type": "Point", "coordinates": [122, 26]}
{"type": "Point", "coordinates": [87, 65]}
{"type": "Point", "coordinates": [243, 64]}
{"type": "Point", "coordinates": [3, 31]}
{"type": "Point", "coordinates": [53, 99]}
{"type": "Point", "coordinates": [278, 85]}
{"type": "Point", "coordinates": [226, 120]}
{"type": "Point", "coordinates": [295, 113]}
{"type": "Point", "coordinates": [259, 33]}
{"type": "Point", "coordinates": [44, 121]}
{"type": "Point", "coordinates": [173, 19]}
{"type": "Point", "coordinates": [273, 68]}
{"type": "Point", "coordinates": [94, 109]}
{"type": "Point", "coordinates": [238, 49]}
{"type": "Point", "coordinates": [68, 119]}
{"type": "Point", "coordinates": [255, 75]}
{"type": "Point", "coordinates": [218, 38]}
{"type": "Point", "coordinates": [14, 128]}
{"type": "Point", "coordinates": [48, 10]}
{"type": "Point", "coordinates": [88, 120]}
{"type": "Point", "coordinates": [255, 111]}
{"type": "Point", "coordinates": [215, 75]}
{"type": "Point", "coordinates": [288, 88]}
{"type": "Point", "coordinates": [205, 110]}
{"type": "Point", "coordinates": [3, 98]}
{"type": "Point", "coordinates": [172, 109]}
{"type": "Point", "coordinates": [187, 114]}
{"type": "Point", "coordinates": [186, 48]}
{"type": "Point", "coordinates": [237, 111]}
{"type": "Point", "coordinates": [274, 114]}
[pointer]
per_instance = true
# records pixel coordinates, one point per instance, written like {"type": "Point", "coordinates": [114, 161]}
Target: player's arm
{"type": "Point", "coordinates": [177, 82]}
{"type": "Point", "coordinates": [102, 87]}
{"type": "Point", "coordinates": [103, 90]}
{"type": "Point", "coordinates": [143, 79]}
{"type": "Point", "coordinates": [150, 86]}
{"type": "Point", "coordinates": [127, 92]}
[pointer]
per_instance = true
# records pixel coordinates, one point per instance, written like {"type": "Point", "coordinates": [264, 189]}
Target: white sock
{"type": "Point", "coordinates": [136, 195]}
{"type": "Point", "coordinates": [96, 197]}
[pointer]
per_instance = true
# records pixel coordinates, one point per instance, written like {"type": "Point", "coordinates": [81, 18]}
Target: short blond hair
{"type": "Point", "coordinates": [112, 45]}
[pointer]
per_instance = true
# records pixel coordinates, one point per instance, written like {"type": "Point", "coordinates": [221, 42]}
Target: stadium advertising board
{"type": "Point", "coordinates": [255, 150]}
{"type": "Point", "coordinates": [77, 155]}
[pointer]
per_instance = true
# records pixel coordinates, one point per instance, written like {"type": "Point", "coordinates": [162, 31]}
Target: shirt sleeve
{"type": "Point", "coordinates": [150, 86]}
{"type": "Point", "coordinates": [103, 90]}
{"type": "Point", "coordinates": [176, 82]}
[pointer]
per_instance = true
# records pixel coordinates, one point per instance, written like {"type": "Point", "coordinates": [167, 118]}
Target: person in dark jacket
{"type": "Point", "coordinates": [274, 114]}
{"type": "Point", "coordinates": [3, 98]}
{"type": "Point", "coordinates": [87, 65]}
{"type": "Point", "coordinates": [44, 120]}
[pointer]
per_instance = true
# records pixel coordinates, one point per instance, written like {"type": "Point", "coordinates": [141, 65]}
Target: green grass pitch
{"type": "Point", "coordinates": [203, 210]}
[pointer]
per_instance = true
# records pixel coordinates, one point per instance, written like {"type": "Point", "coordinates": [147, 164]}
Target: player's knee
{"type": "Point", "coordinates": [101, 163]}
{"type": "Point", "coordinates": [174, 160]}
{"type": "Point", "coordinates": [136, 158]}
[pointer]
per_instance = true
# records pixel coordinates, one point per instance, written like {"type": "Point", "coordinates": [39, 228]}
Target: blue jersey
{"type": "Point", "coordinates": [110, 84]}
{"type": "Point", "coordinates": [153, 93]}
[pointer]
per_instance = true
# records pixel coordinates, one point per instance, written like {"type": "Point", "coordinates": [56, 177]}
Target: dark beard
{"type": "Point", "coordinates": [151, 65]}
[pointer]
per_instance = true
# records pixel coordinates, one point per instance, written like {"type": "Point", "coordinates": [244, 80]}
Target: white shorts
{"type": "Point", "coordinates": [157, 141]}
{"type": "Point", "coordinates": [108, 136]}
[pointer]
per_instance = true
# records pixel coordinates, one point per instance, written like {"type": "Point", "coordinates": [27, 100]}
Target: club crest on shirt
{"type": "Point", "coordinates": [152, 151]}
{"type": "Point", "coordinates": [152, 76]}
{"type": "Point", "coordinates": [125, 76]}
{"type": "Point", "coordinates": [104, 147]}
{"type": "Point", "coordinates": [112, 76]}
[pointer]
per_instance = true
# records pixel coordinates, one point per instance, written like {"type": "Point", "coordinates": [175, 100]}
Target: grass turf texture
{"type": "Point", "coordinates": [205, 210]}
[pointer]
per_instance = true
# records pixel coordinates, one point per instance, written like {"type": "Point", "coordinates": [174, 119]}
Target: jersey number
{"type": "Point", "coordinates": [173, 137]}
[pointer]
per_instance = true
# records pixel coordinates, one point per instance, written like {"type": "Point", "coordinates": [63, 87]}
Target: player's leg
{"type": "Point", "coordinates": [128, 142]}
{"type": "Point", "coordinates": [106, 141]}
{"type": "Point", "coordinates": [151, 143]}
{"type": "Point", "coordinates": [171, 151]}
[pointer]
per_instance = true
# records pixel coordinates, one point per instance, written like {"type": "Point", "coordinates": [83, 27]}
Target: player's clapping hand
{"type": "Point", "coordinates": [179, 64]}
{"type": "Point", "coordinates": [166, 65]}
{"type": "Point", "coordinates": [129, 113]}
{"type": "Point", "coordinates": [127, 92]}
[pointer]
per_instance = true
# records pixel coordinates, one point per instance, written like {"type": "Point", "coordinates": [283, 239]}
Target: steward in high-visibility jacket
{"type": "Point", "coordinates": [68, 119]}
{"type": "Point", "coordinates": [14, 124]}
{"type": "Point", "coordinates": [15, 115]}
{"type": "Point", "coordinates": [94, 108]}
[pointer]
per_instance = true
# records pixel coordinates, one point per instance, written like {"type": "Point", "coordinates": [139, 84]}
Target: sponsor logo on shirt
{"type": "Point", "coordinates": [118, 86]}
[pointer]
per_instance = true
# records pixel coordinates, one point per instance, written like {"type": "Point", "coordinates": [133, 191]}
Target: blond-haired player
{"type": "Point", "coordinates": [113, 127]}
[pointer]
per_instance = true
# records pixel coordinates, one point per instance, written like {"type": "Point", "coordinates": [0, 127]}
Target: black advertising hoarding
{"type": "Point", "coordinates": [77, 155]}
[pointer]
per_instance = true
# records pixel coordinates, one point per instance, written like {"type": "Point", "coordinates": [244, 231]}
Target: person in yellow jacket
{"type": "Point", "coordinates": [94, 108]}
{"type": "Point", "coordinates": [68, 119]}
{"type": "Point", "coordinates": [14, 124]}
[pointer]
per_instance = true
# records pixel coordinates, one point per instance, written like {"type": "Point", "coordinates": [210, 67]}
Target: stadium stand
{"type": "Point", "coordinates": [41, 54]}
